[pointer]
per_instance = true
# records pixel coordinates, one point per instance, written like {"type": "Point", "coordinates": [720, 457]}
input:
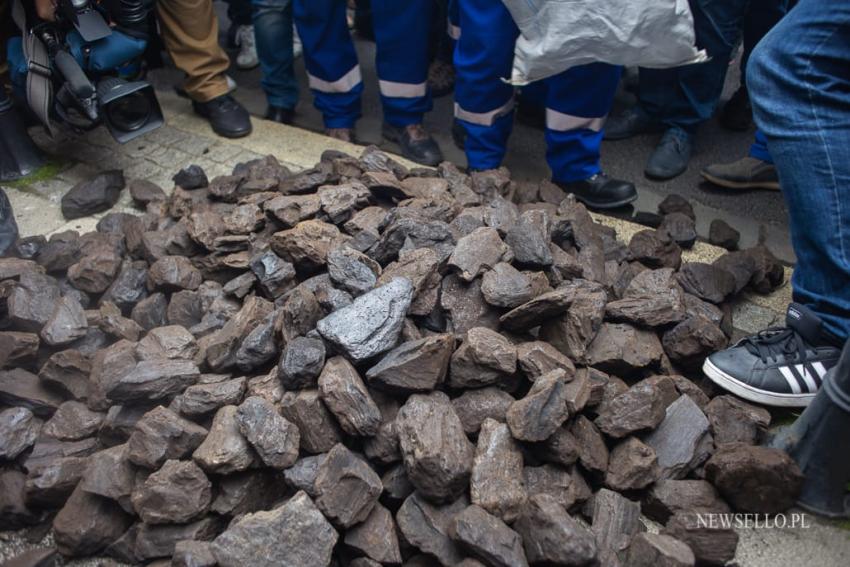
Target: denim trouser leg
{"type": "Point", "coordinates": [273, 32]}
{"type": "Point", "coordinates": [800, 88]}
{"type": "Point", "coordinates": [686, 96]}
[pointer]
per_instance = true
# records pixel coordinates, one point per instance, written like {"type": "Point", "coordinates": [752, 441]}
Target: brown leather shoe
{"type": "Point", "coordinates": [341, 134]}
{"type": "Point", "coordinates": [746, 173]}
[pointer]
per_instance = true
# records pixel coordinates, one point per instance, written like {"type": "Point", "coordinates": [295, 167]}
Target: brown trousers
{"type": "Point", "coordinates": [189, 29]}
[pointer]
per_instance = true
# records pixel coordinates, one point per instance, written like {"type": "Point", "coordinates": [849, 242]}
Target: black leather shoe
{"type": "Point", "coordinates": [416, 144]}
{"type": "Point", "coordinates": [278, 114]}
{"type": "Point", "coordinates": [630, 122]}
{"type": "Point", "coordinates": [227, 117]}
{"type": "Point", "coordinates": [601, 192]}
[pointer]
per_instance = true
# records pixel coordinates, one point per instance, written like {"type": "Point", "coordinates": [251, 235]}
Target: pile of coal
{"type": "Point", "coordinates": [362, 365]}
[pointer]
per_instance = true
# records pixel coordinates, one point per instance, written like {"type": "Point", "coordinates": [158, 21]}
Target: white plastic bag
{"type": "Point", "coordinates": [559, 34]}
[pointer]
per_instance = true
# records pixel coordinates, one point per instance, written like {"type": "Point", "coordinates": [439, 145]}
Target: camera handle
{"type": "Point", "coordinates": [77, 83]}
{"type": "Point", "coordinates": [39, 85]}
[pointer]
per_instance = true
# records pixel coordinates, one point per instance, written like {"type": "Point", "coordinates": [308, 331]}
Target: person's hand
{"type": "Point", "coordinates": [46, 9]}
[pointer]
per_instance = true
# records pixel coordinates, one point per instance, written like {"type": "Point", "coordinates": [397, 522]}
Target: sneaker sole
{"type": "Point", "coordinates": [751, 394]}
{"type": "Point", "coordinates": [769, 185]}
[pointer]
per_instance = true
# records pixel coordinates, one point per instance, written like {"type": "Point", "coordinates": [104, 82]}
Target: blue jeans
{"type": "Point", "coordinates": [273, 33]}
{"type": "Point", "coordinates": [684, 97]}
{"type": "Point", "coordinates": [761, 16]}
{"type": "Point", "coordinates": [800, 89]}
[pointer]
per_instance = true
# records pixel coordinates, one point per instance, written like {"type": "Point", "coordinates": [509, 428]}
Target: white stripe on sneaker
{"type": "Point", "coordinates": [789, 377]}
{"type": "Point", "coordinates": [804, 372]}
{"type": "Point", "coordinates": [819, 368]}
{"type": "Point", "coordinates": [752, 394]}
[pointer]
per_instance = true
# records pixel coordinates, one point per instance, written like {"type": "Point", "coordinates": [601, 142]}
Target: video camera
{"type": "Point", "coordinates": [87, 98]}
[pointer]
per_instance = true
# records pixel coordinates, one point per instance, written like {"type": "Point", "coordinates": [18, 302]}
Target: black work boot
{"type": "Point", "coordinates": [415, 142]}
{"type": "Point", "coordinates": [601, 192]}
{"type": "Point", "coordinates": [227, 117]}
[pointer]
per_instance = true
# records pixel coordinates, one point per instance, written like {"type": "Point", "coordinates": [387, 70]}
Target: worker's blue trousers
{"type": "Point", "coordinates": [401, 37]}
{"type": "Point", "coordinates": [577, 100]}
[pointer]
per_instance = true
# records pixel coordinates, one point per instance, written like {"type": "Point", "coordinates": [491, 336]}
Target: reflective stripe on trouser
{"type": "Point", "coordinates": [402, 31]}
{"type": "Point", "coordinates": [577, 102]}
{"type": "Point", "coordinates": [484, 103]}
{"type": "Point", "coordinates": [401, 59]}
{"type": "Point", "coordinates": [332, 69]}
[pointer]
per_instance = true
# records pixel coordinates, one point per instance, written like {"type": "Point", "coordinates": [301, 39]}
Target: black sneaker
{"type": "Point", "coordinates": [782, 366]}
{"type": "Point", "coordinates": [227, 117]}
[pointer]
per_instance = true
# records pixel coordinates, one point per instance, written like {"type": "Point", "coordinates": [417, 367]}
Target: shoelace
{"type": "Point", "coordinates": [246, 37]}
{"type": "Point", "coordinates": [673, 138]}
{"type": "Point", "coordinates": [774, 341]}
